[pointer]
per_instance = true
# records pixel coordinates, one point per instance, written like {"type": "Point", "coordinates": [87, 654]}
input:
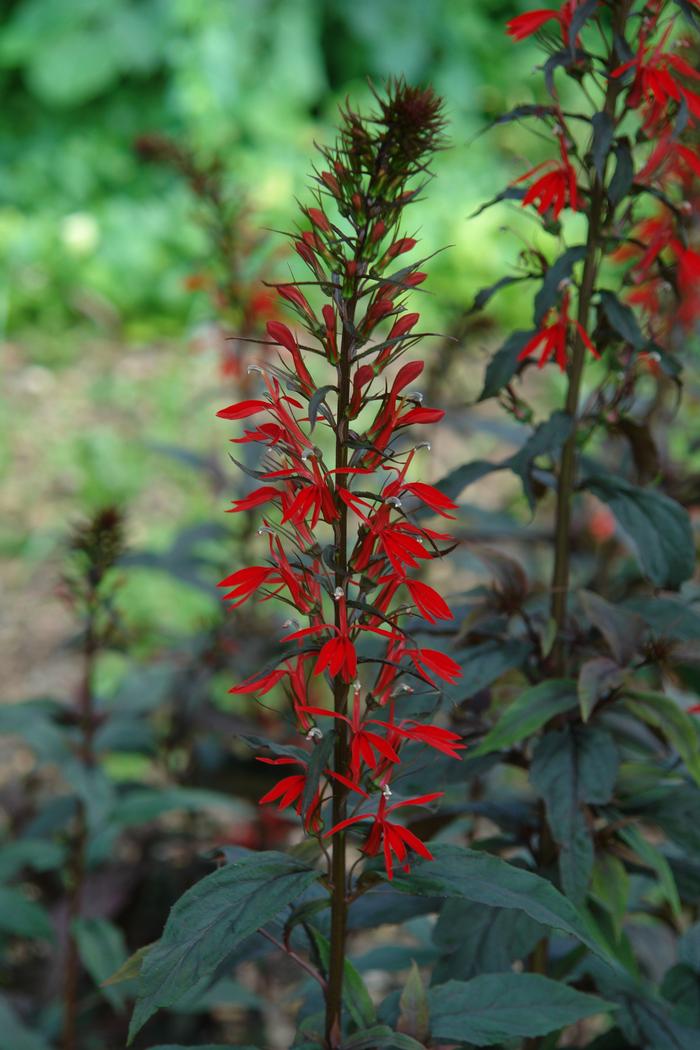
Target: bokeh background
{"type": "Point", "coordinates": [107, 348]}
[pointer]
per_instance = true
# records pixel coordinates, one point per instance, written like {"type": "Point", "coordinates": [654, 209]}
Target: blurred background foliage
{"type": "Point", "coordinates": [110, 350]}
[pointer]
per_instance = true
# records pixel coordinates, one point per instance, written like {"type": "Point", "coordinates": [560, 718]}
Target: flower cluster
{"type": "Point", "coordinates": [341, 510]}
{"type": "Point", "coordinates": [643, 74]}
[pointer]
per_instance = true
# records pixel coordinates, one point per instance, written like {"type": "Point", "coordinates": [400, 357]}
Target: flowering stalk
{"type": "Point", "coordinates": [363, 498]}
{"type": "Point", "coordinates": [88, 584]}
{"type": "Point", "coordinates": [640, 70]}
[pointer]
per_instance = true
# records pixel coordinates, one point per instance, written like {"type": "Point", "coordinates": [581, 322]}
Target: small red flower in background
{"type": "Point", "coordinates": [556, 189]}
{"type": "Point", "coordinates": [523, 26]}
{"type": "Point", "coordinates": [554, 338]}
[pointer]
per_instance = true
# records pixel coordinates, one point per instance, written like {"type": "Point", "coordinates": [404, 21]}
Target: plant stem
{"type": "Point", "coordinates": [567, 467]}
{"type": "Point", "coordinates": [80, 837]}
{"type": "Point", "coordinates": [339, 905]}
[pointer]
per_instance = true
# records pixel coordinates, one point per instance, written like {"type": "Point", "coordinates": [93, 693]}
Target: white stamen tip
{"type": "Point", "coordinates": [338, 593]}
{"type": "Point", "coordinates": [386, 791]}
{"type": "Point", "coordinates": [314, 734]}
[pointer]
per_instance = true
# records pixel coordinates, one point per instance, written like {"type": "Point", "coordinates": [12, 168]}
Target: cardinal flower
{"type": "Point", "coordinates": [554, 189]}
{"type": "Point", "coordinates": [530, 22]}
{"type": "Point", "coordinates": [554, 338]}
{"type": "Point", "coordinates": [393, 839]}
{"type": "Point", "coordinates": [366, 746]}
{"type": "Point", "coordinates": [290, 791]}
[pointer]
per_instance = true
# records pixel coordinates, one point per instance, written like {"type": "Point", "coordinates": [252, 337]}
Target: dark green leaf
{"type": "Point", "coordinates": [679, 728]}
{"type": "Point", "coordinates": [497, 1007]}
{"type": "Point", "coordinates": [210, 920]}
{"type": "Point", "coordinates": [547, 439]}
{"type": "Point", "coordinates": [532, 709]}
{"type": "Point", "coordinates": [482, 664]}
{"type": "Point", "coordinates": [39, 854]}
{"type": "Point", "coordinates": [380, 1037]}
{"type": "Point", "coordinates": [453, 484]}
{"type": "Point", "coordinates": [623, 319]}
{"type": "Point", "coordinates": [559, 271]}
{"type": "Point", "coordinates": [476, 939]}
{"type": "Point", "coordinates": [623, 630]}
{"type": "Point", "coordinates": [317, 763]}
{"type": "Point", "coordinates": [21, 916]}
{"type": "Point", "coordinates": [504, 364]}
{"type": "Point", "coordinates": [14, 1035]}
{"type": "Point", "coordinates": [603, 131]}
{"type": "Point", "coordinates": [623, 176]}
{"type": "Point", "coordinates": [578, 20]}
{"type": "Point", "coordinates": [644, 1018]}
{"type": "Point", "coordinates": [596, 681]}
{"type": "Point", "coordinates": [653, 858]}
{"type": "Point", "coordinates": [315, 402]}
{"type": "Point", "coordinates": [484, 295]}
{"type": "Point", "coordinates": [681, 986]}
{"type": "Point", "coordinates": [658, 528]}
{"type": "Point", "coordinates": [355, 994]}
{"type": "Point", "coordinates": [102, 951]}
{"type": "Point", "coordinates": [461, 873]}
{"type": "Point", "coordinates": [573, 767]}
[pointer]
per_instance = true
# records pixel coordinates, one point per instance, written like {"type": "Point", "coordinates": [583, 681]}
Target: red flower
{"type": "Point", "coordinates": [290, 791]}
{"type": "Point", "coordinates": [554, 338]}
{"type": "Point", "coordinates": [394, 839]}
{"type": "Point", "coordinates": [656, 82]}
{"type": "Point", "coordinates": [366, 746]}
{"type": "Point", "coordinates": [528, 23]}
{"type": "Point", "coordinates": [556, 188]}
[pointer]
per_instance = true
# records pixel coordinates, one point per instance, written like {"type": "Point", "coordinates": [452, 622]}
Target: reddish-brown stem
{"type": "Point", "coordinates": [79, 841]}
{"type": "Point", "coordinates": [339, 907]}
{"type": "Point", "coordinates": [567, 467]}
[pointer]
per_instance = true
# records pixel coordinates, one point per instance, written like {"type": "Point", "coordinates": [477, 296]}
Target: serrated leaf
{"type": "Point", "coordinates": [209, 920]}
{"type": "Point", "coordinates": [494, 1008]}
{"type": "Point", "coordinates": [532, 709]}
{"type": "Point", "coordinates": [679, 728]}
{"type": "Point", "coordinates": [463, 874]}
{"type": "Point", "coordinates": [657, 527]}
{"type": "Point", "coordinates": [573, 767]}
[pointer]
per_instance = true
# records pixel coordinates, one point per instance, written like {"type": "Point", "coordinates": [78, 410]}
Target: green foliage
{"type": "Point", "coordinates": [495, 1007]}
